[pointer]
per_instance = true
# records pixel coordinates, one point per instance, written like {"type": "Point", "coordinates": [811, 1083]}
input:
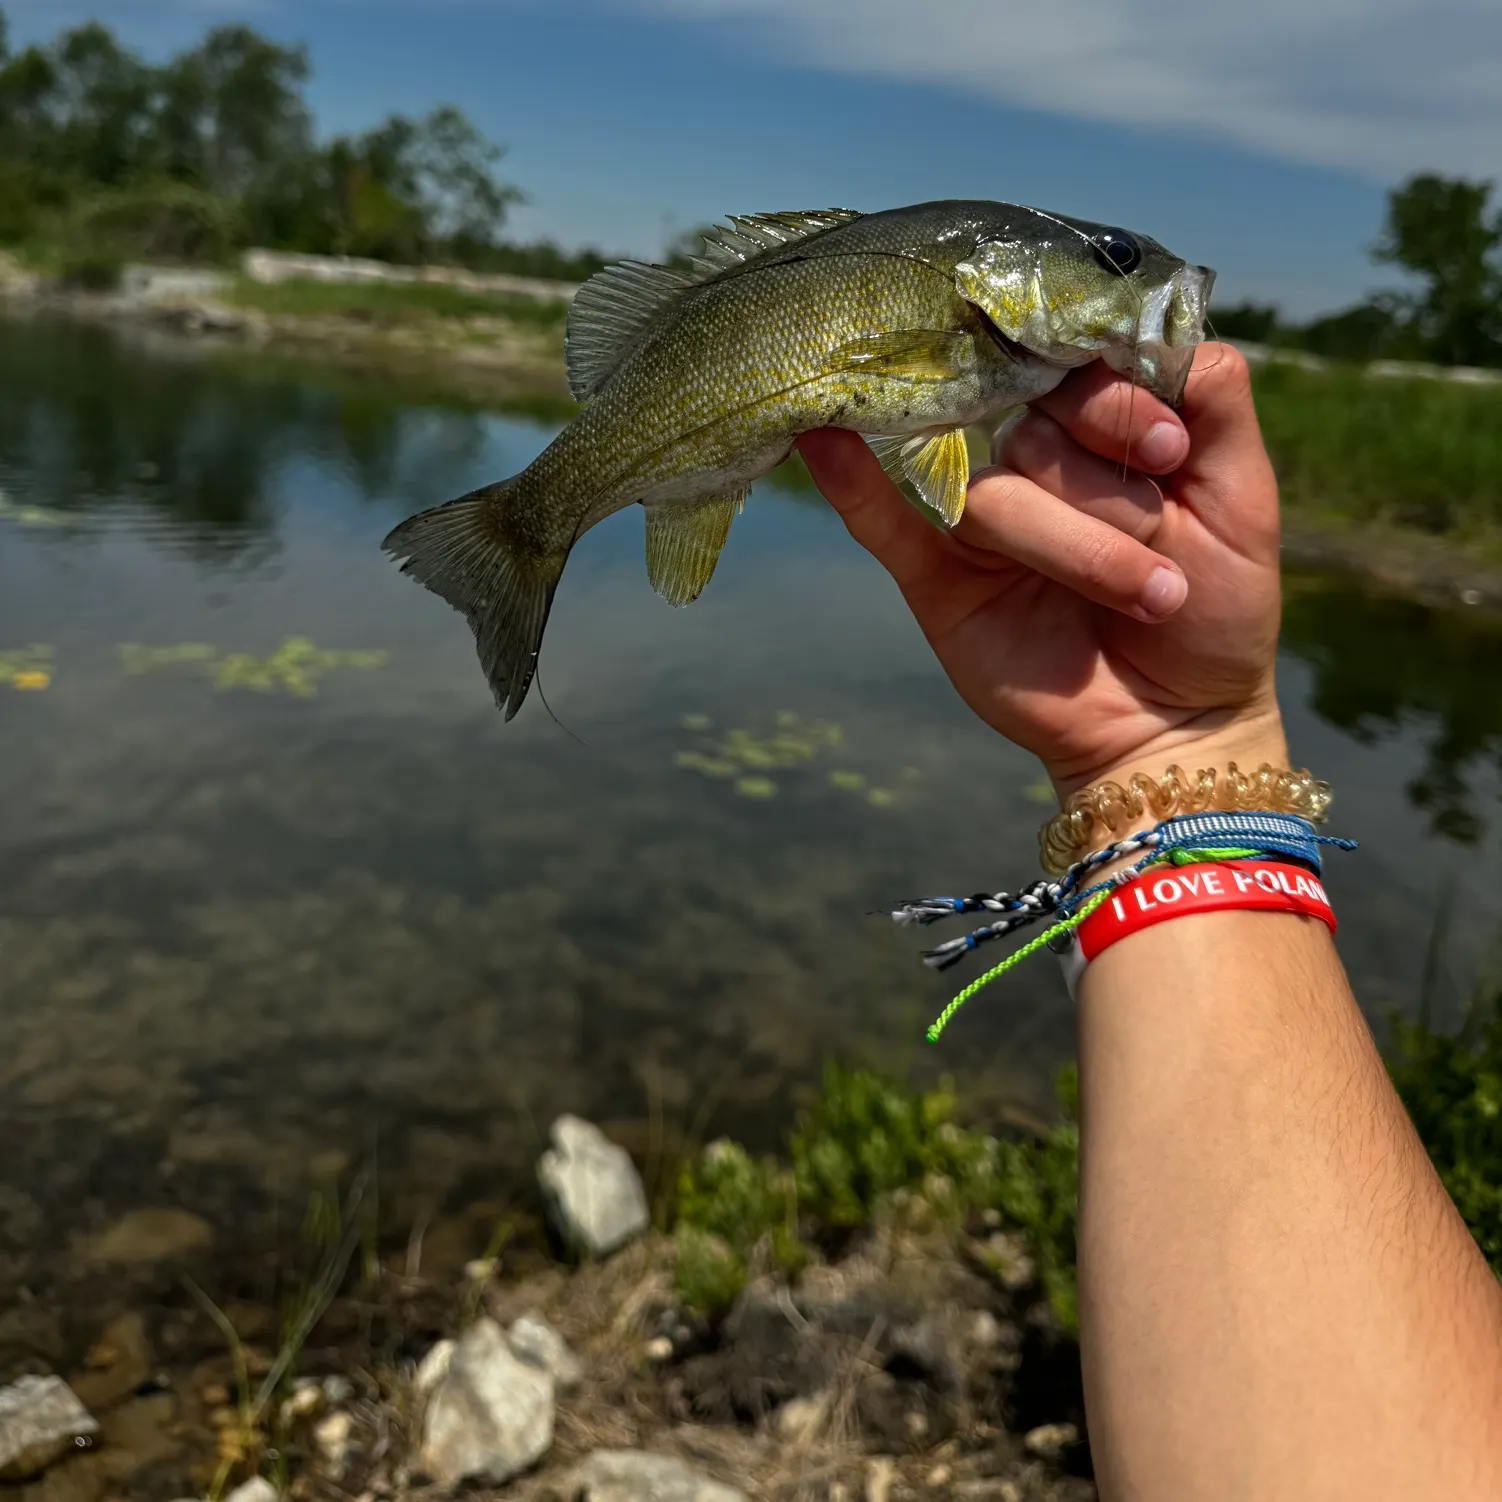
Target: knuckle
{"type": "Point", "coordinates": [1228, 368]}
{"type": "Point", "coordinates": [1099, 560]}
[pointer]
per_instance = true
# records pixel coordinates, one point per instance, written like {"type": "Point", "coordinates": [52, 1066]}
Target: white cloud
{"type": "Point", "coordinates": [1383, 87]}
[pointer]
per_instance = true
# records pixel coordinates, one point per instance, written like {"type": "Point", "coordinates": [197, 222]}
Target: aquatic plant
{"type": "Point", "coordinates": [294, 668]}
{"type": "Point", "coordinates": [32, 516]}
{"type": "Point", "coordinates": [745, 758]}
{"type": "Point", "coordinates": [26, 668]}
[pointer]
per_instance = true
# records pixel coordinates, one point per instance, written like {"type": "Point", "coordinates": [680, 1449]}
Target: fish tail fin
{"type": "Point", "coordinates": [462, 552]}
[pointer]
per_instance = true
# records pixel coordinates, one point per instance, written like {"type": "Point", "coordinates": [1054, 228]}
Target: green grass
{"type": "Point", "coordinates": [870, 1147]}
{"type": "Point", "coordinates": [394, 303]}
{"type": "Point", "coordinates": [1420, 455]}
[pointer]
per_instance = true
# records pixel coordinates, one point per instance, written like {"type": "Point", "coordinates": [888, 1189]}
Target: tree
{"type": "Point", "coordinates": [232, 111]}
{"type": "Point", "coordinates": [1439, 229]}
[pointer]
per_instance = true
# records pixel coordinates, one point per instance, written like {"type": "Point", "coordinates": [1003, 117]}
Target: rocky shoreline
{"type": "Point", "coordinates": [918, 1360]}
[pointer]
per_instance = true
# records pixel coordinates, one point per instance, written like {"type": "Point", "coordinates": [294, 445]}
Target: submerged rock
{"type": "Point", "coordinates": [536, 1342]}
{"type": "Point", "coordinates": [490, 1416]}
{"type": "Point", "coordinates": [118, 1363]}
{"type": "Point", "coordinates": [593, 1189]}
{"type": "Point", "coordinates": [640, 1476]}
{"type": "Point", "coordinates": [40, 1418]}
{"type": "Point", "coordinates": [143, 1237]}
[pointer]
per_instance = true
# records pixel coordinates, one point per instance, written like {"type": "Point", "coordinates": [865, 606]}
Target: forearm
{"type": "Point", "coordinates": [1277, 1297]}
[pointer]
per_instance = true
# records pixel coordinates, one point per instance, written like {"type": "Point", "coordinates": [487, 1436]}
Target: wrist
{"type": "Point", "coordinates": [1250, 737]}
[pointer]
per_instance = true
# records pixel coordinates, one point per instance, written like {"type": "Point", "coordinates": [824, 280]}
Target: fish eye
{"type": "Point", "coordinates": [1117, 251]}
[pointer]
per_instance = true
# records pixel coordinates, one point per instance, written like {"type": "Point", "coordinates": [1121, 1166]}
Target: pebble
{"type": "Point", "coordinates": [331, 1435]}
{"type": "Point", "coordinates": [594, 1192]}
{"type": "Point", "coordinates": [1049, 1441]}
{"type": "Point", "coordinates": [799, 1418]}
{"type": "Point", "coordinates": [659, 1348]}
{"type": "Point", "coordinates": [118, 1363]}
{"type": "Point", "coordinates": [305, 1401]}
{"type": "Point", "coordinates": [40, 1421]}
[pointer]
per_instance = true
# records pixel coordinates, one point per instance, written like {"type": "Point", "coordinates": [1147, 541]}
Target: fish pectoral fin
{"type": "Point", "coordinates": [936, 465]}
{"type": "Point", "coordinates": [908, 354]}
{"type": "Point", "coordinates": [684, 539]}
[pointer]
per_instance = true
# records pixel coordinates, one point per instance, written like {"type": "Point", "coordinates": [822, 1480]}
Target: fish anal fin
{"type": "Point", "coordinates": [908, 354]}
{"type": "Point", "coordinates": [617, 307]}
{"type": "Point", "coordinates": [935, 465]}
{"type": "Point", "coordinates": [939, 468]}
{"type": "Point", "coordinates": [684, 539]}
{"type": "Point", "coordinates": [459, 552]}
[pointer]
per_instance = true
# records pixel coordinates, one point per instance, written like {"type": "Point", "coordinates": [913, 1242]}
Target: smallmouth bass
{"type": "Point", "coordinates": [906, 326]}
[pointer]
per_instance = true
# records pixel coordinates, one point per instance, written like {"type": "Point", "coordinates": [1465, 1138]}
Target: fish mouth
{"type": "Point", "coordinates": [1171, 323]}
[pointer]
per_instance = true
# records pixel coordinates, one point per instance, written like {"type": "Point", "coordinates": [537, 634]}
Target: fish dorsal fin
{"type": "Point", "coordinates": [609, 313]}
{"type": "Point", "coordinates": [684, 539]}
{"type": "Point", "coordinates": [618, 305]}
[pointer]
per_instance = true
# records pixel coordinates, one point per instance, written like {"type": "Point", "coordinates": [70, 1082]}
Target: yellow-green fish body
{"type": "Point", "coordinates": [906, 326]}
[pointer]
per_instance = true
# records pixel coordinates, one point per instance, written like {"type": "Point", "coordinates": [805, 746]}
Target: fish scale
{"type": "Point", "coordinates": [906, 326]}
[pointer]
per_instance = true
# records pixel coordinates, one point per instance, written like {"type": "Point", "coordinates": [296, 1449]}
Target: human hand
{"type": "Point", "coordinates": [1105, 621]}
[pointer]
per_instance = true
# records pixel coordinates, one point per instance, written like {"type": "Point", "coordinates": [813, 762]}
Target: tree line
{"type": "Point", "coordinates": [1446, 235]}
{"type": "Point", "coordinates": [103, 155]}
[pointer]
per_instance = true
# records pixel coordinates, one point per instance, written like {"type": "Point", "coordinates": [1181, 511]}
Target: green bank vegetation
{"type": "Point", "coordinates": [1423, 455]}
{"type": "Point", "coordinates": [869, 1151]}
{"type": "Point", "coordinates": [388, 304]}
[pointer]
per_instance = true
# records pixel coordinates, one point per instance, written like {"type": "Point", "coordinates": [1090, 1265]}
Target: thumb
{"type": "Point", "coordinates": [1227, 478]}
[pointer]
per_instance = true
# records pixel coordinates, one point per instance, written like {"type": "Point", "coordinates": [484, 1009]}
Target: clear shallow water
{"type": "Point", "coordinates": [241, 932]}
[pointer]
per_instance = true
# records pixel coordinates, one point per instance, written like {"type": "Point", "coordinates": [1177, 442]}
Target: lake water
{"type": "Point", "coordinates": [246, 935]}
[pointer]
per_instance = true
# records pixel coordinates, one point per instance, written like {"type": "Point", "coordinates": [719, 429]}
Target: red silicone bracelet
{"type": "Point", "coordinates": [1204, 887]}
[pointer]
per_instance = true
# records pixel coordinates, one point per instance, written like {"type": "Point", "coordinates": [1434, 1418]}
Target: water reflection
{"type": "Point", "coordinates": [1382, 665]}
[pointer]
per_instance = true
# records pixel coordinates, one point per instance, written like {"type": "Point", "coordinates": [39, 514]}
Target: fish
{"type": "Point", "coordinates": [904, 325]}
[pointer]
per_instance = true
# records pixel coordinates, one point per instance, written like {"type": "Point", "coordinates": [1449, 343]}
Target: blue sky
{"type": "Point", "coordinates": [1257, 138]}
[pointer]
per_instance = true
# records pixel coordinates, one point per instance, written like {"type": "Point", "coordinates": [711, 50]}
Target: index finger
{"type": "Point", "coordinates": [1105, 413]}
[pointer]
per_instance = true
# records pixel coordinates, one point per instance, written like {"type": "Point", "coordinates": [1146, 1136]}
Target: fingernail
{"type": "Point", "coordinates": [1163, 446]}
{"type": "Point", "coordinates": [1166, 589]}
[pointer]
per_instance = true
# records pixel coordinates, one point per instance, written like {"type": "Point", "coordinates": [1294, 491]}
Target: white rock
{"type": "Point", "coordinates": [659, 1348]}
{"type": "Point", "coordinates": [257, 1489]}
{"type": "Point", "coordinates": [40, 1418]}
{"type": "Point", "coordinates": [433, 1368]}
{"type": "Point", "coordinates": [592, 1187]}
{"type": "Point", "coordinates": [535, 1341]}
{"type": "Point", "coordinates": [639, 1476]}
{"type": "Point", "coordinates": [490, 1416]}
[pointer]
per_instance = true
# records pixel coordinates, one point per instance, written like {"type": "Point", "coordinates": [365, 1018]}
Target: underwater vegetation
{"type": "Point", "coordinates": [294, 668]}
{"type": "Point", "coordinates": [32, 516]}
{"type": "Point", "coordinates": [26, 668]}
{"type": "Point", "coordinates": [745, 758]}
